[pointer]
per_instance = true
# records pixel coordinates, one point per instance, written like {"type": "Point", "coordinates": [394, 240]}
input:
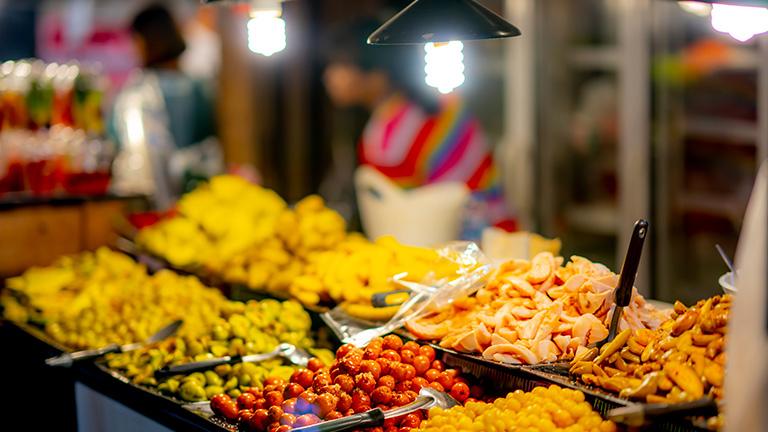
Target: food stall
{"type": "Point", "coordinates": [507, 341]}
{"type": "Point", "coordinates": [240, 310]}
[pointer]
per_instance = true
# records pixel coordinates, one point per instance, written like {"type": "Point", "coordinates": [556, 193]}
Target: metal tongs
{"type": "Point", "coordinates": [640, 414]}
{"type": "Point", "coordinates": [287, 351]}
{"type": "Point", "coordinates": [428, 398]}
{"type": "Point", "coordinates": [66, 359]}
{"type": "Point", "coordinates": [622, 295]}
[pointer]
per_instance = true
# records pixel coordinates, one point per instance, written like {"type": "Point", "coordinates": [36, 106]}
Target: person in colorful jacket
{"type": "Point", "coordinates": [412, 136]}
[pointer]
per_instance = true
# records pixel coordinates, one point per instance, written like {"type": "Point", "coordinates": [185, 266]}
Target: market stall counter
{"type": "Point", "coordinates": [87, 396]}
{"type": "Point", "coordinates": [35, 230]}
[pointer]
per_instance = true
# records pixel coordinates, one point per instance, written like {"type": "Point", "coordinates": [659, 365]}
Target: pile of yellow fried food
{"type": "Point", "coordinates": [683, 360]}
{"type": "Point", "coordinates": [97, 298]}
{"type": "Point", "coordinates": [216, 221]}
{"type": "Point", "coordinates": [358, 269]}
{"type": "Point", "coordinates": [246, 234]}
{"type": "Point", "coordinates": [274, 262]}
{"type": "Point", "coordinates": [535, 311]}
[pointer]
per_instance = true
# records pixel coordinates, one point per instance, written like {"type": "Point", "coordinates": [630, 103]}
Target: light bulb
{"type": "Point", "coordinates": [741, 22]}
{"type": "Point", "coordinates": [444, 65]}
{"type": "Point", "coordinates": [266, 32]}
{"type": "Point", "coordinates": [696, 8]}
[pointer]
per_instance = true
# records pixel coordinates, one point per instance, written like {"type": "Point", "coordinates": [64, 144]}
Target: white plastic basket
{"type": "Point", "coordinates": [424, 216]}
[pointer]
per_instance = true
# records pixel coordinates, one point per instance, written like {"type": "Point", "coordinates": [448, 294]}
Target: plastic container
{"type": "Point", "coordinates": [424, 216]}
{"type": "Point", "coordinates": [728, 283]}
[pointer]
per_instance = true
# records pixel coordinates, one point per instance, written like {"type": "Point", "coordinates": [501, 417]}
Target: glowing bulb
{"type": "Point", "coordinates": [266, 33]}
{"type": "Point", "coordinates": [696, 8]}
{"type": "Point", "coordinates": [741, 22]}
{"type": "Point", "coordinates": [444, 65]}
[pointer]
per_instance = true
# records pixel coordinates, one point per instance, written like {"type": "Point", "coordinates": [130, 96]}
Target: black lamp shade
{"type": "Point", "coordinates": [755, 3]}
{"type": "Point", "coordinates": [442, 21]}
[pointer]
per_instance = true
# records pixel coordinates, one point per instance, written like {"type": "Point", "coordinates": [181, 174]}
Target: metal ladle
{"type": "Point", "coordinates": [287, 351]}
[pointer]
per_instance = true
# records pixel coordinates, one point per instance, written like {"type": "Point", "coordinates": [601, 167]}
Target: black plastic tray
{"type": "Point", "coordinates": [526, 377]}
{"type": "Point", "coordinates": [604, 401]}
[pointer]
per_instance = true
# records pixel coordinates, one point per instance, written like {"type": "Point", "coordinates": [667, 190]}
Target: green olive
{"type": "Point", "coordinates": [249, 368]}
{"type": "Point", "coordinates": [256, 382]}
{"type": "Point", "coordinates": [192, 391]}
{"type": "Point", "coordinates": [212, 379]}
{"type": "Point", "coordinates": [173, 385]}
{"type": "Point", "coordinates": [196, 376]}
{"type": "Point", "coordinates": [231, 383]}
{"type": "Point", "coordinates": [148, 381]}
{"type": "Point", "coordinates": [244, 379]}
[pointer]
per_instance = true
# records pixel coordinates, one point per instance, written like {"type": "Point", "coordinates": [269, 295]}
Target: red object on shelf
{"type": "Point", "coordinates": [43, 176]}
{"type": "Point", "coordinates": [508, 225]}
{"type": "Point", "coordinates": [147, 219]}
{"type": "Point", "coordinates": [85, 183]}
{"type": "Point", "coordinates": [13, 180]}
{"type": "Point", "coordinates": [143, 220]}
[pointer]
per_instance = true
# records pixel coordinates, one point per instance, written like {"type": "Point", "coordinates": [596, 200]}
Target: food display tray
{"type": "Point", "coordinates": [37, 333]}
{"type": "Point", "coordinates": [503, 376]}
{"type": "Point", "coordinates": [603, 401]}
{"type": "Point", "coordinates": [196, 409]}
{"type": "Point", "coordinates": [496, 382]}
{"type": "Point", "coordinates": [525, 377]}
{"type": "Point", "coordinates": [495, 376]}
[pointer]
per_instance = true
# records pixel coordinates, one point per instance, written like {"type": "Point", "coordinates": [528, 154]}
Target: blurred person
{"type": "Point", "coordinates": [163, 118]}
{"type": "Point", "coordinates": [411, 136]}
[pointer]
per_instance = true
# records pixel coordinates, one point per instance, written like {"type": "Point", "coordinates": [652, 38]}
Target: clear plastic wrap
{"type": "Point", "coordinates": [474, 269]}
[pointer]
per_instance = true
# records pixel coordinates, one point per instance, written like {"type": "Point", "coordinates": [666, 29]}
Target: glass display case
{"type": "Point", "coordinates": [641, 110]}
{"type": "Point", "coordinates": [707, 145]}
{"type": "Point", "coordinates": [578, 128]}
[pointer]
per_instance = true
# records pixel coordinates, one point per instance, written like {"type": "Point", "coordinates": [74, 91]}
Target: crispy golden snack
{"type": "Point", "coordinates": [681, 361]}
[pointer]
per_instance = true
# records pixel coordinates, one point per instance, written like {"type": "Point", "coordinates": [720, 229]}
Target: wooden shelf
{"type": "Point", "coordinates": [727, 206]}
{"type": "Point", "coordinates": [741, 131]}
{"type": "Point", "coordinates": [594, 57]}
{"type": "Point", "coordinates": [597, 218]}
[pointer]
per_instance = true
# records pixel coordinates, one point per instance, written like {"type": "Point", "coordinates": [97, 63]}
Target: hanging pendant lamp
{"type": "Point", "coordinates": [754, 3]}
{"type": "Point", "coordinates": [426, 21]}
